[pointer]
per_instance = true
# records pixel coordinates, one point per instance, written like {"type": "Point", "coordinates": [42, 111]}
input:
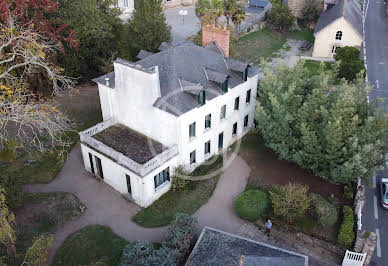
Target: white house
{"type": "Point", "coordinates": [339, 25]}
{"type": "Point", "coordinates": [179, 106]}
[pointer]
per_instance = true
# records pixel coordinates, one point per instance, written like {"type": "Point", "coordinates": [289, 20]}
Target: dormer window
{"type": "Point", "coordinates": [245, 74]}
{"type": "Point", "coordinates": [338, 35]}
{"type": "Point", "coordinates": [201, 98]}
{"type": "Point", "coordinates": [224, 86]}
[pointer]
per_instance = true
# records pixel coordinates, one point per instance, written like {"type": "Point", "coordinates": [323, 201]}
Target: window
{"type": "Point", "coordinates": [192, 157]}
{"type": "Point", "coordinates": [192, 130]}
{"type": "Point", "coordinates": [248, 98]}
{"type": "Point", "coordinates": [338, 35]}
{"type": "Point", "coordinates": [208, 121]}
{"type": "Point", "coordinates": [334, 49]}
{"type": "Point", "coordinates": [224, 86]}
{"type": "Point", "coordinates": [207, 147]}
{"type": "Point", "coordinates": [201, 98]}
{"type": "Point", "coordinates": [128, 183]}
{"type": "Point", "coordinates": [234, 129]}
{"type": "Point", "coordinates": [223, 112]}
{"type": "Point", "coordinates": [125, 3]}
{"type": "Point", "coordinates": [162, 177]}
{"type": "Point", "coordinates": [220, 140]}
{"type": "Point", "coordinates": [237, 103]}
{"type": "Point", "coordinates": [246, 121]}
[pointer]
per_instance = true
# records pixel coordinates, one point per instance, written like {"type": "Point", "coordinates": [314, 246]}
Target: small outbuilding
{"type": "Point", "coordinates": [339, 25]}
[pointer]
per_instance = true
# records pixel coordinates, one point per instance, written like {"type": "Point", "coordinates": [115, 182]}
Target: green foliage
{"type": "Point", "coordinates": [310, 12]}
{"type": "Point", "coordinates": [280, 17]}
{"type": "Point", "coordinates": [98, 29]}
{"type": "Point", "coordinates": [251, 204]}
{"type": "Point", "coordinates": [323, 211]}
{"type": "Point", "coordinates": [146, 29]}
{"type": "Point", "coordinates": [348, 192]}
{"type": "Point", "coordinates": [290, 201]}
{"type": "Point", "coordinates": [178, 183]}
{"type": "Point", "coordinates": [37, 254]}
{"type": "Point", "coordinates": [346, 233]}
{"type": "Point", "coordinates": [322, 124]}
{"type": "Point", "coordinates": [350, 64]}
{"type": "Point", "coordinates": [13, 190]}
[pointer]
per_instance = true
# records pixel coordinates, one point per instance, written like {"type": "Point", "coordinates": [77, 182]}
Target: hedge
{"type": "Point", "coordinates": [251, 204]}
{"type": "Point", "coordinates": [346, 233]}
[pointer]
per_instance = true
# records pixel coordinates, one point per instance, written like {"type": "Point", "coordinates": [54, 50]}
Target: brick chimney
{"type": "Point", "coordinates": [220, 35]}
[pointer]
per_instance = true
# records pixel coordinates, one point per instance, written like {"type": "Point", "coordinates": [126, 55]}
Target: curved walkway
{"type": "Point", "coordinates": [106, 206]}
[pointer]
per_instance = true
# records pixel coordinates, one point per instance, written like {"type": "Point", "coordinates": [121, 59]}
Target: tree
{"type": "Point", "coordinates": [280, 17]}
{"type": "Point", "coordinates": [238, 16]}
{"type": "Point", "coordinates": [310, 12]}
{"type": "Point", "coordinates": [322, 124]}
{"type": "Point", "coordinates": [290, 201]}
{"type": "Point", "coordinates": [350, 64]}
{"type": "Point", "coordinates": [98, 28]}
{"type": "Point", "coordinates": [146, 29]}
{"type": "Point", "coordinates": [27, 52]}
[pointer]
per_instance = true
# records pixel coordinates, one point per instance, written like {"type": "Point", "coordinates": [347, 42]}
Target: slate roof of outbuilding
{"type": "Point", "coordinates": [215, 247]}
{"type": "Point", "coordinates": [349, 9]}
{"type": "Point", "coordinates": [187, 62]}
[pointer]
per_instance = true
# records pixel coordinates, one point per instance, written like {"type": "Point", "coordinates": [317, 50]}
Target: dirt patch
{"type": "Point", "coordinates": [45, 213]}
{"type": "Point", "coordinates": [268, 170]}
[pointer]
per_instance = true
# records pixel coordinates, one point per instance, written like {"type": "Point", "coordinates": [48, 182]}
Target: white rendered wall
{"type": "Point", "coordinates": [325, 39]}
{"type": "Point", "coordinates": [143, 189]}
{"type": "Point", "coordinates": [213, 107]}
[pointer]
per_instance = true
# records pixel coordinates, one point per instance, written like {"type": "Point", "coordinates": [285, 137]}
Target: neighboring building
{"type": "Point", "coordinates": [179, 106]}
{"type": "Point", "coordinates": [218, 248]}
{"type": "Point", "coordinates": [339, 25]}
{"type": "Point", "coordinates": [126, 7]}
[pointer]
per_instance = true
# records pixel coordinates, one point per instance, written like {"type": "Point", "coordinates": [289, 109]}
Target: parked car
{"type": "Point", "coordinates": [384, 192]}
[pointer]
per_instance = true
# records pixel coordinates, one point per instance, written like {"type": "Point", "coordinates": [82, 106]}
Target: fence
{"type": "Point", "coordinates": [353, 259]}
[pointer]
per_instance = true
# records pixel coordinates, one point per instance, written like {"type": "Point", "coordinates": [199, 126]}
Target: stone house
{"type": "Point", "coordinates": [180, 106]}
{"type": "Point", "coordinates": [338, 26]}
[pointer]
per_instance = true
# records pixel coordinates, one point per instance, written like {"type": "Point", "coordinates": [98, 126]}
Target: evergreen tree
{"type": "Point", "coordinates": [322, 124]}
{"type": "Point", "coordinates": [146, 29]}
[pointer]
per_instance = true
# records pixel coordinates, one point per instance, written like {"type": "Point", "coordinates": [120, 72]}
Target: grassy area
{"type": "Point", "coordinates": [91, 245]}
{"type": "Point", "coordinates": [265, 43]}
{"type": "Point", "coordinates": [315, 66]}
{"type": "Point", "coordinates": [162, 211]}
{"type": "Point", "coordinates": [44, 213]}
{"type": "Point", "coordinates": [84, 110]}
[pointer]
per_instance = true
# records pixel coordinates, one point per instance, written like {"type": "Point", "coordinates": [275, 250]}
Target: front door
{"type": "Point", "coordinates": [128, 184]}
{"type": "Point", "coordinates": [99, 168]}
{"type": "Point", "coordinates": [221, 140]}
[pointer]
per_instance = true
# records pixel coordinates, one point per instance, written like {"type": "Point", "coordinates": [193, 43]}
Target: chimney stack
{"type": "Point", "coordinates": [220, 35]}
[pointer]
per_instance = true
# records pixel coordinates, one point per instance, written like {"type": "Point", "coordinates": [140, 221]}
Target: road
{"type": "Point", "coordinates": [375, 218]}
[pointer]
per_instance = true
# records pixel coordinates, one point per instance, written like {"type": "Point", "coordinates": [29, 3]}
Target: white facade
{"type": "Point", "coordinates": [131, 103]}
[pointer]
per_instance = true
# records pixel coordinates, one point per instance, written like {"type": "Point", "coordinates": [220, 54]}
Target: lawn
{"type": "Point", "coordinates": [162, 211]}
{"type": "Point", "coordinates": [91, 245]}
{"type": "Point", "coordinates": [83, 108]}
{"type": "Point", "coordinates": [265, 43]}
{"type": "Point", "coordinates": [315, 66]}
{"type": "Point", "coordinates": [44, 213]}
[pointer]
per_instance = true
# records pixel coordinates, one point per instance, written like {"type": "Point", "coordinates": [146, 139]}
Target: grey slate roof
{"type": "Point", "coordinates": [349, 9]}
{"type": "Point", "coordinates": [187, 62]}
{"type": "Point", "coordinates": [215, 247]}
{"type": "Point", "coordinates": [143, 54]}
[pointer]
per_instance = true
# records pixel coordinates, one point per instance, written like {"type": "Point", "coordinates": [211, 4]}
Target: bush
{"type": "Point", "coordinates": [346, 233]}
{"type": "Point", "coordinates": [251, 204]}
{"type": "Point", "coordinates": [348, 192]}
{"type": "Point", "coordinates": [322, 210]}
{"type": "Point", "coordinates": [290, 201]}
{"type": "Point", "coordinates": [178, 183]}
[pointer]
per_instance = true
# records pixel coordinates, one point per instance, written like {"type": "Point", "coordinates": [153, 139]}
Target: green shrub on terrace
{"type": "Point", "coordinates": [323, 211]}
{"type": "Point", "coordinates": [251, 204]}
{"type": "Point", "coordinates": [346, 233]}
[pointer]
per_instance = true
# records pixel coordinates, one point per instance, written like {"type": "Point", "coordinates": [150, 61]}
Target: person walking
{"type": "Point", "coordinates": [268, 226]}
